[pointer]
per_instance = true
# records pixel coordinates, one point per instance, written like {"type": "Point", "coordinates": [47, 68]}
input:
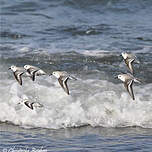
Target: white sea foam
{"type": "Point", "coordinates": [92, 102]}
{"type": "Point", "coordinates": [98, 53]}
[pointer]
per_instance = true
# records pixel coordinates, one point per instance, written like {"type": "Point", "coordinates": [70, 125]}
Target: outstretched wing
{"type": "Point", "coordinates": [128, 86]}
{"type": "Point", "coordinates": [129, 63]}
{"type": "Point", "coordinates": [66, 89]}
{"type": "Point", "coordinates": [29, 105]}
{"type": "Point", "coordinates": [30, 70]}
{"type": "Point", "coordinates": [63, 84]}
{"type": "Point", "coordinates": [33, 74]}
{"type": "Point", "coordinates": [18, 77]}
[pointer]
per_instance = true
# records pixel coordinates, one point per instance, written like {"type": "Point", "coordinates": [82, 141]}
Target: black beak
{"type": "Point", "coordinates": [9, 68]}
{"type": "Point", "coordinates": [50, 74]}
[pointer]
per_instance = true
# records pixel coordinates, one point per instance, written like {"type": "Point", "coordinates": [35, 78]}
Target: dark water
{"type": "Point", "coordinates": [70, 25]}
{"type": "Point", "coordinates": [85, 139]}
{"type": "Point", "coordinates": [84, 38]}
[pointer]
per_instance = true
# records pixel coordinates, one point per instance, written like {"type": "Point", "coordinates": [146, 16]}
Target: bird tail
{"type": "Point", "coordinates": [72, 78]}
{"type": "Point", "coordinates": [137, 61]}
{"type": "Point", "coordinates": [137, 80]}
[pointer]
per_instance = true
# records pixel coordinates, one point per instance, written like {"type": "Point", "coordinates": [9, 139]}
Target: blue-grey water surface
{"type": "Point", "coordinates": [84, 38]}
{"type": "Point", "coordinates": [85, 139]}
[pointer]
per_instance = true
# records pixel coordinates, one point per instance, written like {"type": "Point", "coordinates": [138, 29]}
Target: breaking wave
{"type": "Point", "coordinates": [92, 102]}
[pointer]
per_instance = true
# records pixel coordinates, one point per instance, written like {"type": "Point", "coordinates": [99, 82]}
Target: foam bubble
{"type": "Point", "coordinates": [92, 102]}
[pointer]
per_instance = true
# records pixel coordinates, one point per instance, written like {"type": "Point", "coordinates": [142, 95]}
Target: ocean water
{"type": "Point", "coordinates": [86, 39]}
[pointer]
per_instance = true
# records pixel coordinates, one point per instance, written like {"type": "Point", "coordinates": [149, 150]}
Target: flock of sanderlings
{"type": "Point", "coordinates": [31, 71]}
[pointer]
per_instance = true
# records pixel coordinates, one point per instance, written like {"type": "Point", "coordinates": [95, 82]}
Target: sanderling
{"type": "Point", "coordinates": [63, 77]}
{"type": "Point", "coordinates": [18, 72]}
{"type": "Point", "coordinates": [30, 104]}
{"type": "Point", "coordinates": [34, 71]}
{"type": "Point", "coordinates": [129, 59]}
{"type": "Point", "coordinates": [128, 80]}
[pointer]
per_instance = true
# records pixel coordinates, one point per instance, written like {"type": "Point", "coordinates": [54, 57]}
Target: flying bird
{"type": "Point", "coordinates": [34, 71]}
{"type": "Point", "coordinates": [63, 77]}
{"type": "Point", "coordinates": [18, 72]}
{"type": "Point", "coordinates": [30, 104]}
{"type": "Point", "coordinates": [128, 81]}
{"type": "Point", "coordinates": [129, 60]}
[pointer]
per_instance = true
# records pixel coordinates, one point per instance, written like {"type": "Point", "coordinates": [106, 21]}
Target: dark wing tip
{"type": "Point", "coordinates": [20, 83]}
{"type": "Point", "coordinates": [68, 92]}
{"type": "Point", "coordinates": [33, 77]}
